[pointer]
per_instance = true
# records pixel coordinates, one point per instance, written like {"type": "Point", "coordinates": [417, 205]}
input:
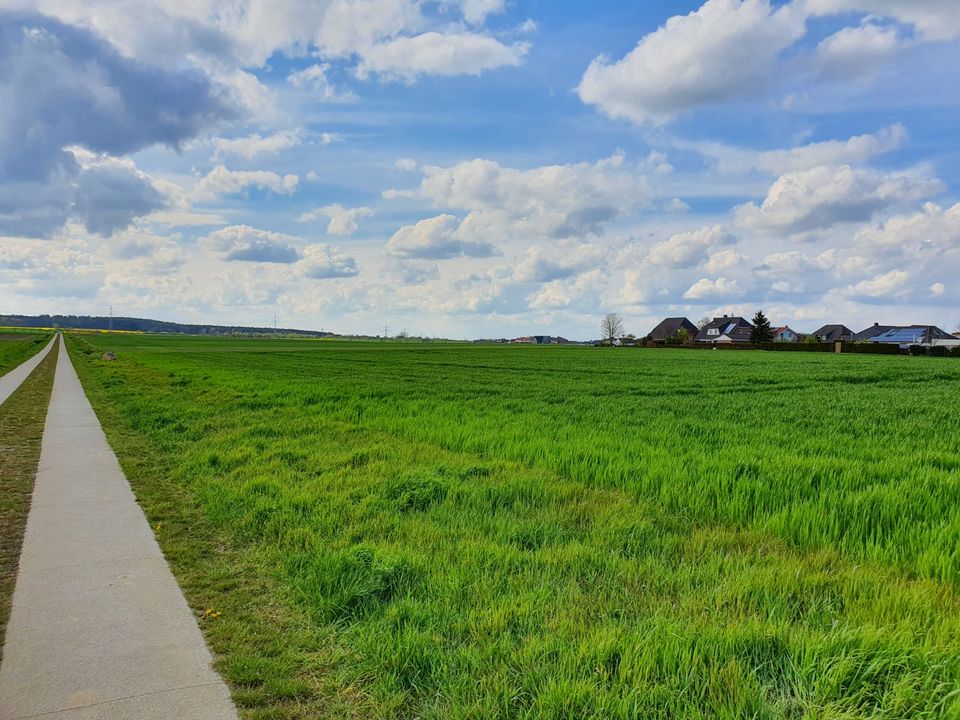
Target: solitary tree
{"type": "Point", "coordinates": [703, 322]}
{"type": "Point", "coordinates": [762, 332]}
{"type": "Point", "coordinates": [611, 326]}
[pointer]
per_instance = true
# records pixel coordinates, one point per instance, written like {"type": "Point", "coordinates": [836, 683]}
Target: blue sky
{"type": "Point", "coordinates": [476, 168]}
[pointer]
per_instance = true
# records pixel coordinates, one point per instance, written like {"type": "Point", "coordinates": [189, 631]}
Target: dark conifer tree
{"type": "Point", "coordinates": [762, 332]}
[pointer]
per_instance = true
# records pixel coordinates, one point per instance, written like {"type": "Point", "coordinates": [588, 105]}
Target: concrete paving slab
{"type": "Point", "coordinates": [14, 379]}
{"type": "Point", "coordinates": [168, 705]}
{"type": "Point", "coordinates": [99, 627]}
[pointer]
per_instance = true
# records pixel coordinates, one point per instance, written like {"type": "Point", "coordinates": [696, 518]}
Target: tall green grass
{"type": "Point", "coordinates": [566, 533]}
{"type": "Point", "coordinates": [18, 347]}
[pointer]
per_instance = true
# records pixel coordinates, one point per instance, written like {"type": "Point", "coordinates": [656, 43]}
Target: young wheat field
{"type": "Point", "coordinates": [453, 531]}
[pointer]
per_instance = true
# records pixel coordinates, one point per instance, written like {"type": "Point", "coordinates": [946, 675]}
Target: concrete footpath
{"type": "Point", "coordinates": [99, 627]}
{"type": "Point", "coordinates": [14, 379]}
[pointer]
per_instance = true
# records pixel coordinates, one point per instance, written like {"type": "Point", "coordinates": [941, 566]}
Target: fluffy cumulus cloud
{"type": "Point", "coordinates": [323, 262]}
{"type": "Point", "coordinates": [933, 227]}
{"type": "Point", "coordinates": [858, 149]}
{"type": "Point", "coordinates": [221, 181]}
{"type": "Point", "coordinates": [726, 49]}
{"type": "Point", "coordinates": [794, 275]}
{"type": "Point", "coordinates": [825, 196]}
{"type": "Point", "coordinates": [542, 265]}
{"type": "Point", "coordinates": [110, 193]}
{"type": "Point", "coordinates": [64, 88]}
{"type": "Point", "coordinates": [436, 238]}
{"type": "Point", "coordinates": [932, 19]}
{"type": "Point", "coordinates": [735, 49]}
{"type": "Point", "coordinates": [855, 51]}
{"type": "Point", "coordinates": [248, 244]}
{"type": "Point", "coordinates": [582, 291]}
{"type": "Point", "coordinates": [688, 248]}
{"type": "Point", "coordinates": [342, 221]}
{"type": "Point", "coordinates": [250, 146]}
{"type": "Point", "coordinates": [855, 150]}
{"type": "Point", "coordinates": [249, 32]}
{"type": "Point", "coordinates": [434, 53]}
{"type": "Point", "coordinates": [706, 290]}
{"type": "Point", "coordinates": [475, 12]}
{"type": "Point", "coordinates": [883, 287]}
{"type": "Point", "coordinates": [316, 78]}
{"type": "Point", "coordinates": [550, 202]}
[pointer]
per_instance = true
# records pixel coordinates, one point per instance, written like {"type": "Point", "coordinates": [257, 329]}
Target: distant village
{"type": "Point", "coordinates": [732, 330]}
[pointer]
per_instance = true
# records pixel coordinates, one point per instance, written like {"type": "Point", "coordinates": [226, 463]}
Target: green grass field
{"type": "Point", "coordinates": [419, 531]}
{"type": "Point", "coordinates": [15, 347]}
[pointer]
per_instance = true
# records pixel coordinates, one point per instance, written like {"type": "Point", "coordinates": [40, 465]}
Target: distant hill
{"type": "Point", "coordinates": [89, 322]}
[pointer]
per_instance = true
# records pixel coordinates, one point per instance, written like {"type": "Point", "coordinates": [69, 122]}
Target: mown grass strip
{"type": "Point", "coordinates": [274, 658]}
{"type": "Point", "coordinates": [22, 418]}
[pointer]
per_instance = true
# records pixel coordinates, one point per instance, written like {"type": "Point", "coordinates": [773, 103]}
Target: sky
{"type": "Point", "coordinates": [481, 168]}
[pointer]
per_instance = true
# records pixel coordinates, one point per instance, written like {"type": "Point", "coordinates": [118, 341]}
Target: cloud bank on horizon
{"type": "Point", "coordinates": [481, 167]}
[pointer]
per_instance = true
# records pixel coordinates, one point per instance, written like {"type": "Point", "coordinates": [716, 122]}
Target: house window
{"type": "Point", "coordinates": [713, 331]}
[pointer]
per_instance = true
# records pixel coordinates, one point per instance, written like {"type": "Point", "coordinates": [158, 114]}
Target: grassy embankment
{"type": "Point", "coordinates": [17, 347]}
{"type": "Point", "coordinates": [453, 532]}
{"type": "Point", "coordinates": [22, 417]}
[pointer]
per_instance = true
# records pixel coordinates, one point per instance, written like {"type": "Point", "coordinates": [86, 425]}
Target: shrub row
{"type": "Point", "coordinates": [935, 350]}
{"type": "Point", "coordinates": [863, 348]}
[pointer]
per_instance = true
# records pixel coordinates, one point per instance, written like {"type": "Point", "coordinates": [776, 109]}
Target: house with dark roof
{"type": "Point", "coordinates": [833, 333]}
{"type": "Point", "coordinates": [726, 329]}
{"type": "Point", "coordinates": [785, 334]}
{"type": "Point", "coordinates": [872, 331]}
{"type": "Point", "coordinates": [928, 335]}
{"type": "Point", "coordinates": [670, 328]}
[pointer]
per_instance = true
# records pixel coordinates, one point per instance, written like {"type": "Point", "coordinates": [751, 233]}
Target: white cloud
{"type": "Point", "coordinates": [887, 285]}
{"type": "Point", "coordinates": [343, 221]}
{"type": "Point", "coordinates": [855, 150]}
{"type": "Point", "coordinates": [323, 262]}
{"type": "Point", "coordinates": [185, 218]}
{"type": "Point", "coordinates": [824, 196]}
{"type": "Point", "coordinates": [248, 32]}
{"type": "Point", "coordinates": [933, 228]}
{"type": "Point", "coordinates": [689, 248]}
{"type": "Point", "coordinates": [938, 289]}
{"type": "Point", "coordinates": [65, 89]}
{"type": "Point", "coordinates": [855, 51]}
{"type": "Point", "coordinates": [248, 244]}
{"type": "Point", "coordinates": [406, 164]}
{"type": "Point", "coordinates": [544, 265]}
{"type": "Point", "coordinates": [719, 289]}
{"type": "Point", "coordinates": [252, 145]}
{"type": "Point", "coordinates": [723, 260]}
{"type": "Point", "coordinates": [221, 181]}
{"type": "Point", "coordinates": [414, 273]}
{"type": "Point", "coordinates": [315, 78]}
{"type": "Point", "coordinates": [735, 49]}
{"type": "Point", "coordinates": [582, 291]}
{"type": "Point", "coordinates": [434, 53]}
{"type": "Point", "coordinates": [934, 19]}
{"type": "Point", "coordinates": [475, 11]}
{"type": "Point", "coordinates": [833, 152]}
{"type": "Point", "coordinates": [726, 49]}
{"type": "Point", "coordinates": [436, 238]}
{"type": "Point", "coordinates": [553, 201]}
